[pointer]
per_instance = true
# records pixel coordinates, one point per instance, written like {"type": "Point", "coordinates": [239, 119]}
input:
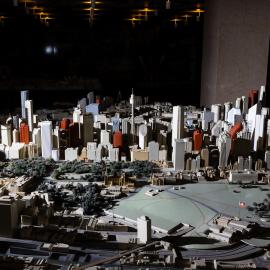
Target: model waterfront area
{"type": "Point", "coordinates": [134, 185]}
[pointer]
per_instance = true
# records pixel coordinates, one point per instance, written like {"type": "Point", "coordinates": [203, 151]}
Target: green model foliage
{"type": "Point", "coordinates": [37, 167]}
{"type": "Point", "coordinates": [96, 170]}
{"type": "Point", "coordinates": [88, 196]}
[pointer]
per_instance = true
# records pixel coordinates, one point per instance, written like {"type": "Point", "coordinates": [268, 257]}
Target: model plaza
{"type": "Point", "coordinates": [194, 205]}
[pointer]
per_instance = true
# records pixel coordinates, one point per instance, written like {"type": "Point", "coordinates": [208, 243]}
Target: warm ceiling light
{"type": "Point", "coordinates": [133, 20]}
{"type": "Point", "coordinates": [35, 8]}
{"type": "Point", "coordinates": [26, 2]}
{"type": "Point", "coordinates": [147, 10]}
{"type": "Point", "coordinates": [90, 8]}
{"type": "Point", "coordinates": [2, 18]}
{"type": "Point", "coordinates": [139, 15]}
{"type": "Point", "coordinates": [175, 21]}
{"type": "Point", "coordinates": [42, 14]}
{"type": "Point", "coordinates": [198, 11]}
{"type": "Point", "coordinates": [186, 16]}
{"type": "Point", "coordinates": [92, 2]}
{"type": "Point", "coordinates": [46, 20]}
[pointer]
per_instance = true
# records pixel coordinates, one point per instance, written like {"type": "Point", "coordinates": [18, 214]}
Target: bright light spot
{"type": "Point", "coordinates": [48, 49]}
{"type": "Point", "coordinates": [51, 50]}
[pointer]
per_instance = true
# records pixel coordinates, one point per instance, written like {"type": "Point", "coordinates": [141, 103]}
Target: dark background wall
{"type": "Point", "coordinates": [154, 57]}
{"type": "Point", "coordinates": [235, 48]}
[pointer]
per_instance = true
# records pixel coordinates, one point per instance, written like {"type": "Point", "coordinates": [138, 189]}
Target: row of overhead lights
{"type": "Point", "coordinates": [143, 14]}
{"type": "Point", "coordinates": [91, 8]}
{"type": "Point", "coordinates": [3, 19]}
{"type": "Point", "coordinates": [39, 12]}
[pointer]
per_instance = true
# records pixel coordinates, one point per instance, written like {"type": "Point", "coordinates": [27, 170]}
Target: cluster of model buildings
{"type": "Point", "coordinates": [231, 134]}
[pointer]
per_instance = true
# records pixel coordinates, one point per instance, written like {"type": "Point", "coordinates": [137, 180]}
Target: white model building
{"type": "Point", "coordinates": [29, 113]}
{"type": "Point", "coordinates": [55, 154]}
{"type": "Point", "coordinates": [36, 136]}
{"type": "Point", "coordinates": [17, 151]}
{"type": "Point", "coordinates": [32, 150]}
{"type": "Point", "coordinates": [234, 116]}
{"type": "Point", "coordinates": [113, 154]}
{"type": "Point", "coordinates": [104, 137]}
{"type": "Point", "coordinates": [224, 147]}
{"type": "Point", "coordinates": [56, 137]}
{"type": "Point", "coordinates": [153, 148]}
{"type": "Point", "coordinates": [244, 105]}
{"type": "Point", "coordinates": [71, 154]}
{"type": "Point", "coordinates": [46, 139]}
{"type": "Point", "coordinates": [6, 135]}
{"type": "Point", "coordinates": [144, 229]}
{"type": "Point", "coordinates": [259, 132]}
{"type": "Point", "coordinates": [125, 125]}
{"type": "Point", "coordinates": [179, 155]}
{"type": "Point", "coordinates": [227, 107]}
{"type": "Point", "coordinates": [177, 123]}
{"type": "Point", "coordinates": [216, 110]}
{"type": "Point", "coordinates": [207, 117]}
{"type": "Point", "coordinates": [142, 136]}
{"type": "Point", "coordinates": [24, 97]}
{"type": "Point", "coordinates": [132, 101]}
{"type": "Point", "coordinates": [91, 151]}
{"type": "Point", "coordinates": [15, 135]}
{"type": "Point", "coordinates": [267, 159]}
{"type": "Point", "coordinates": [243, 177]}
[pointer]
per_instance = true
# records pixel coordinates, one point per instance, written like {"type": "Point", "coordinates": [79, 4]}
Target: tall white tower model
{"type": "Point", "coordinates": [77, 119]}
{"type": "Point", "coordinates": [46, 139]}
{"type": "Point", "coordinates": [144, 229]}
{"type": "Point", "coordinates": [224, 146]}
{"type": "Point", "coordinates": [29, 113]}
{"type": "Point", "coordinates": [143, 136]}
{"type": "Point", "coordinates": [177, 127]}
{"type": "Point", "coordinates": [132, 113]}
{"type": "Point", "coordinates": [179, 155]}
{"type": "Point", "coordinates": [24, 97]}
{"type": "Point", "coordinates": [6, 135]}
{"type": "Point", "coordinates": [227, 107]}
{"type": "Point", "coordinates": [177, 123]}
{"type": "Point", "coordinates": [216, 109]}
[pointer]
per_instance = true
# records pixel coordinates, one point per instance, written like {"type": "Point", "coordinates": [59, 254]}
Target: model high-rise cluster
{"type": "Point", "coordinates": [192, 139]}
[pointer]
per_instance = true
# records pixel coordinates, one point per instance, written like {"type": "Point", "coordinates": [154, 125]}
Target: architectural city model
{"type": "Point", "coordinates": [131, 185]}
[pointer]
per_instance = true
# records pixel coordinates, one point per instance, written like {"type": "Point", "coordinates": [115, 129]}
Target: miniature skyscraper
{"type": "Point", "coordinates": [24, 97]}
{"type": "Point", "coordinates": [177, 126]}
{"type": "Point", "coordinates": [144, 229]}
{"type": "Point", "coordinates": [46, 139]}
{"type": "Point", "coordinates": [132, 113]}
{"type": "Point", "coordinates": [29, 113]}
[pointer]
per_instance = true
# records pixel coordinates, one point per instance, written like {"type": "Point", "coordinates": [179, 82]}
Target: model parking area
{"type": "Point", "coordinates": [191, 204]}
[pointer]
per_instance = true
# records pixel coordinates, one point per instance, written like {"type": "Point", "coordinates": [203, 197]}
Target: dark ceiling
{"type": "Point", "coordinates": [99, 46]}
{"type": "Point", "coordinates": [63, 11]}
